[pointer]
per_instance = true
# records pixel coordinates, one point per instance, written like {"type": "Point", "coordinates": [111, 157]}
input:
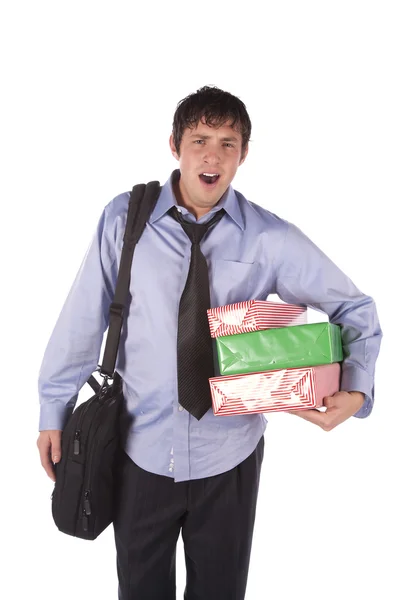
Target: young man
{"type": "Point", "coordinates": [184, 469]}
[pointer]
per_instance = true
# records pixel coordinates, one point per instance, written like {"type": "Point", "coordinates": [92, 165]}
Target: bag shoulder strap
{"type": "Point", "coordinates": [142, 201]}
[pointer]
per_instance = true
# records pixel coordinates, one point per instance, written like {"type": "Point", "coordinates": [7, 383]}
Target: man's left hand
{"type": "Point", "coordinates": [339, 407]}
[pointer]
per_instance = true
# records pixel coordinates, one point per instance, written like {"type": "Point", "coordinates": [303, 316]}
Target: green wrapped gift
{"type": "Point", "coordinates": [283, 348]}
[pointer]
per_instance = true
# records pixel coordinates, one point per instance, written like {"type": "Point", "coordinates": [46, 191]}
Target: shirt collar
{"type": "Point", "coordinates": [167, 200]}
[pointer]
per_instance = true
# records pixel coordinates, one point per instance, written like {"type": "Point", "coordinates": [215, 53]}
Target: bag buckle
{"type": "Point", "coordinates": [105, 384]}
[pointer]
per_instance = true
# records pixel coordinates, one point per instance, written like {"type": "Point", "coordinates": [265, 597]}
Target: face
{"type": "Point", "coordinates": [208, 160]}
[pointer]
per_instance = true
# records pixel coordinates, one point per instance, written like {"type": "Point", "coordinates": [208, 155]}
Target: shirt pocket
{"type": "Point", "coordinates": [232, 281]}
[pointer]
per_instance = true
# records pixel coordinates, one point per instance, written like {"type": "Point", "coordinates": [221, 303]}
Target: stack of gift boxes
{"type": "Point", "coordinates": [270, 359]}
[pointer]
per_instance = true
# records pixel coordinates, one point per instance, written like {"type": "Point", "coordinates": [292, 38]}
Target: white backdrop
{"type": "Point", "coordinates": [88, 94]}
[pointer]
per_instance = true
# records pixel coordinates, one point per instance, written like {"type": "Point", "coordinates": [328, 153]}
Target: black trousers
{"type": "Point", "coordinates": [216, 515]}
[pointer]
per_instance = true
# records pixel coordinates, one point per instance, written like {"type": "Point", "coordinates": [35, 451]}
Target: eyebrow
{"type": "Point", "coordinates": [207, 137]}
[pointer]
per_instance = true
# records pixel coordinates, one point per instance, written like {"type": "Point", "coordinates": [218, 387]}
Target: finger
{"type": "Point", "coordinates": [50, 452]}
{"type": "Point", "coordinates": [330, 418]}
{"type": "Point", "coordinates": [47, 464]}
{"type": "Point", "coordinates": [56, 449]}
{"type": "Point", "coordinates": [328, 401]}
{"type": "Point", "coordinates": [312, 415]}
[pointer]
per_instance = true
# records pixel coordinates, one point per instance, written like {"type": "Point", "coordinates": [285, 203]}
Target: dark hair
{"type": "Point", "coordinates": [216, 107]}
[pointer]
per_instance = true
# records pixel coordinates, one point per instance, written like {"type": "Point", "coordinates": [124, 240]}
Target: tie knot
{"type": "Point", "coordinates": [196, 231]}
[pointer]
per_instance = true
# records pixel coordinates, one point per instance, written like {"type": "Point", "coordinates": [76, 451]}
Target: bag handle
{"type": "Point", "coordinates": [142, 201]}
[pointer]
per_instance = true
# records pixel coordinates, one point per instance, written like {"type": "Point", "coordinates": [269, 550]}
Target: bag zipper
{"type": "Point", "coordinates": [87, 509]}
{"type": "Point", "coordinates": [77, 436]}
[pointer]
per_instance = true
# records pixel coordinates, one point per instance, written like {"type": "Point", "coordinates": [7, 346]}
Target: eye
{"type": "Point", "coordinates": [198, 141]}
{"type": "Point", "coordinates": [229, 145]}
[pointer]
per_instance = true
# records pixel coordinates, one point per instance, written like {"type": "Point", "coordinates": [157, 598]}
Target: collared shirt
{"type": "Point", "coordinates": [251, 253]}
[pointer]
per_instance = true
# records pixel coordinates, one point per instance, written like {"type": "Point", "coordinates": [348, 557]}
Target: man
{"type": "Point", "coordinates": [184, 469]}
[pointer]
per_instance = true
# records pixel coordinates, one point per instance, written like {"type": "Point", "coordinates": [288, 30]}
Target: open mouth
{"type": "Point", "coordinates": [209, 178]}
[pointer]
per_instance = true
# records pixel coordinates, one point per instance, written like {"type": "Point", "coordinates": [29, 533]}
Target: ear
{"type": "Point", "coordinates": [173, 148]}
{"type": "Point", "coordinates": [244, 155]}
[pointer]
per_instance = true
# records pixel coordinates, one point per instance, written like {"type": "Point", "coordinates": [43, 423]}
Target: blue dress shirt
{"type": "Point", "coordinates": [251, 253]}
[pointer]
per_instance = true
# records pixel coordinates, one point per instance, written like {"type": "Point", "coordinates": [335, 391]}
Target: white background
{"type": "Point", "coordinates": [88, 91]}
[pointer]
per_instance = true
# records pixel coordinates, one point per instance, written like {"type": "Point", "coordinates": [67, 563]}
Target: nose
{"type": "Point", "coordinates": [212, 157]}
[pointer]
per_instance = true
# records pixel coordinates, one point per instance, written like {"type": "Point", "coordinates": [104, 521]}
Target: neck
{"type": "Point", "coordinates": [183, 200]}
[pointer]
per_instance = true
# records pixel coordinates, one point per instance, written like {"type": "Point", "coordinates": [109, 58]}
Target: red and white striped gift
{"type": "Point", "coordinates": [254, 315]}
{"type": "Point", "coordinates": [269, 391]}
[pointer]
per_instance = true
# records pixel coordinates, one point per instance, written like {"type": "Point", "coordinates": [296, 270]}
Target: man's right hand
{"type": "Point", "coordinates": [49, 444]}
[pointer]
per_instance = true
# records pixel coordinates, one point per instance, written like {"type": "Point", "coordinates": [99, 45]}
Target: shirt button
{"type": "Point", "coordinates": [180, 408]}
{"type": "Point", "coordinates": [170, 469]}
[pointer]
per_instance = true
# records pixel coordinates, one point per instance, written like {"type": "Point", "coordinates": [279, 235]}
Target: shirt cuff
{"type": "Point", "coordinates": [356, 380]}
{"type": "Point", "coordinates": [53, 415]}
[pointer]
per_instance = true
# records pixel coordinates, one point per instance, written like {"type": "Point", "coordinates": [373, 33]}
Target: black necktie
{"type": "Point", "coordinates": [195, 352]}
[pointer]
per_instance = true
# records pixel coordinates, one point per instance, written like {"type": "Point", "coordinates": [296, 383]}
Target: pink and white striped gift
{"type": "Point", "coordinates": [254, 315]}
{"type": "Point", "coordinates": [269, 391]}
